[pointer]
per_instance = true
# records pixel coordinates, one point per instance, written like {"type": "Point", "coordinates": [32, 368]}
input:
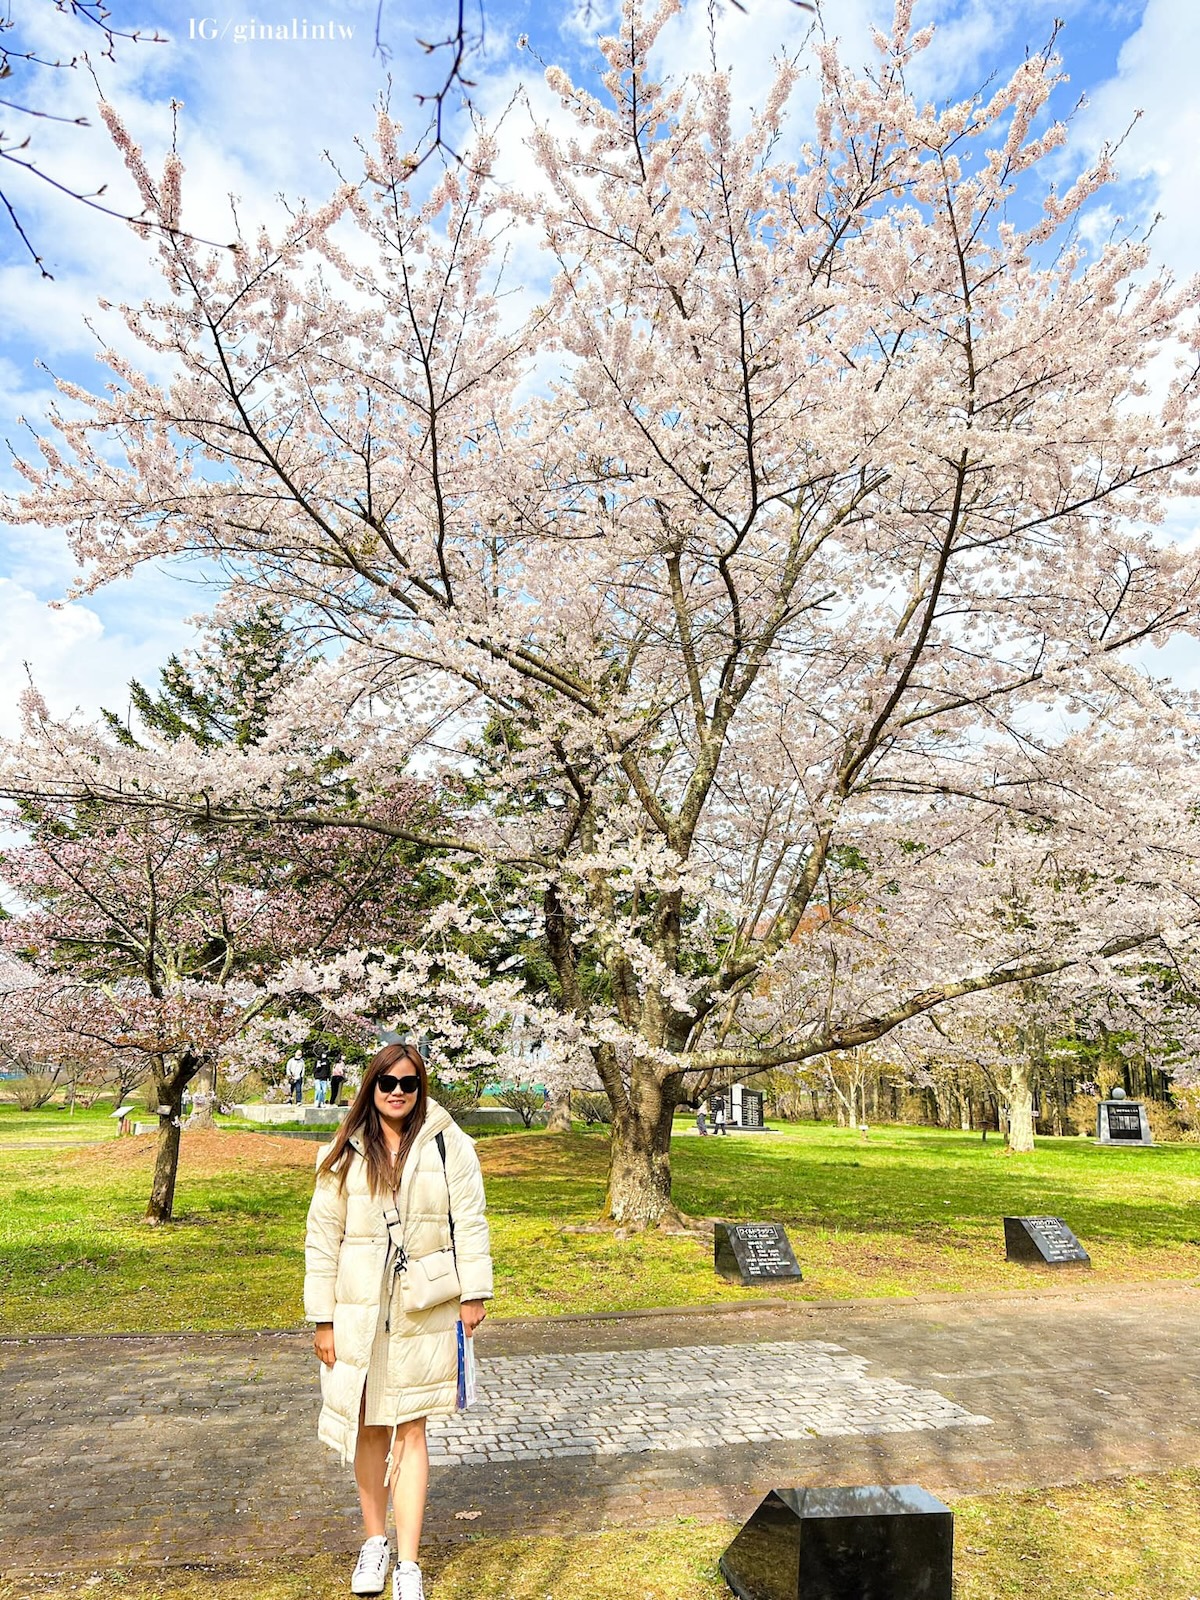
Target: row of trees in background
{"type": "Point", "coordinates": [1034, 1055]}
{"type": "Point", "coordinates": [858, 1089]}
{"type": "Point", "coordinates": [734, 637]}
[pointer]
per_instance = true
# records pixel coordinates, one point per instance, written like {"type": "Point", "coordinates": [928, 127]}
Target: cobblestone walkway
{"type": "Point", "coordinates": [694, 1398]}
{"type": "Point", "coordinates": [202, 1448]}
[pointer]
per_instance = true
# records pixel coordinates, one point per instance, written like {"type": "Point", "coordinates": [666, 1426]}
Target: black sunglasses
{"type": "Point", "coordinates": [389, 1084]}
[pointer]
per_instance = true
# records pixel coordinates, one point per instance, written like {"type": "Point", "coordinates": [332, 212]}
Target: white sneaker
{"type": "Point", "coordinates": [370, 1574]}
{"type": "Point", "coordinates": [406, 1582]}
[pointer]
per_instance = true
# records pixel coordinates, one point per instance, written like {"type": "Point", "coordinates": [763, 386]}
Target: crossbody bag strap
{"type": "Point", "coordinates": [396, 1254]}
{"type": "Point", "coordinates": [440, 1141]}
{"type": "Point", "coordinates": [393, 1265]}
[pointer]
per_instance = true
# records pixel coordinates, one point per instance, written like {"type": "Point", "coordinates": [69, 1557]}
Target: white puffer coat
{"type": "Point", "coordinates": [345, 1254]}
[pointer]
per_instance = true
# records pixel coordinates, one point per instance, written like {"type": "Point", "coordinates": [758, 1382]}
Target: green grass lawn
{"type": "Point", "coordinates": [54, 1125]}
{"type": "Point", "coordinates": [1119, 1539]}
{"type": "Point", "coordinates": [914, 1210]}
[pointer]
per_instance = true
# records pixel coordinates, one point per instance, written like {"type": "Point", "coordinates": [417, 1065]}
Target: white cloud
{"type": "Point", "coordinates": [589, 20]}
{"type": "Point", "coordinates": [974, 39]}
{"type": "Point", "coordinates": [74, 658]}
{"type": "Point", "coordinates": [1156, 75]}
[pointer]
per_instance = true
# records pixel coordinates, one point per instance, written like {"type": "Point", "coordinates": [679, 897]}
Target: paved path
{"type": "Point", "coordinates": [693, 1397]}
{"type": "Point", "coordinates": [196, 1448]}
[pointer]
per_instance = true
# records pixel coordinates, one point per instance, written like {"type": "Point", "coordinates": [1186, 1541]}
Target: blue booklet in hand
{"type": "Point", "coordinates": [466, 1370]}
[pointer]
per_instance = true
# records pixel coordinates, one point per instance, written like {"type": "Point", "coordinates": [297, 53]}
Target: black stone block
{"type": "Point", "coordinates": [844, 1544]}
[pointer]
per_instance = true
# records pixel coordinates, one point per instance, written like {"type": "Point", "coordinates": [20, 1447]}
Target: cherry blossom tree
{"type": "Point", "coordinates": [135, 924]}
{"type": "Point", "coordinates": [151, 933]}
{"type": "Point", "coordinates": [788, 549]}
{"type": "Point", "coordinates": [19, 1047]}
{"type": "Point", "coordinates": [49, 1031]}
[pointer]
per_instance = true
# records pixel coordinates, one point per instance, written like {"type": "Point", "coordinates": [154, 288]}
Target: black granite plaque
{"type": "Point", "coordinates": [753, 1252]}
{"type": "Point", "coordinates": [1046, 1241]}
{"type": "Point", "coordinates": [844, 1544]}
{"type": "Point", "coordinates": [1124, 1120]}
{"type": "Point", "coordinates": [752, 1108]}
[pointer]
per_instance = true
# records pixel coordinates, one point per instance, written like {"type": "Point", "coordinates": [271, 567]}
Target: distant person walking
{"type": "Point", "coordinates": [396, 1257]}
{"type": "Point", "coordinates": [294, 1074]}
{"type": "Point", "coordinates": [321, 1075]}
{"type": "Point", "coordinates": [719, 1117]}
{"type": "Point", "coordinates": [701, 1127]}
{"type": "Point", "coordinates": [337, 1077]}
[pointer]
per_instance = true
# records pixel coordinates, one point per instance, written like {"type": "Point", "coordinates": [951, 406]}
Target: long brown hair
{"type": "Point", "coordinates": [383, 1173]}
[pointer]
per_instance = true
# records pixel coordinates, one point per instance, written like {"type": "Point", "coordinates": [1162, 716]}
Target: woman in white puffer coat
{"type": "Point", "coordinates": [384, 1368]}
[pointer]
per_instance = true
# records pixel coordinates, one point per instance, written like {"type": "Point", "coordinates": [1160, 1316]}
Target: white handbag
{"type": "Point", "coordinates": [429, 1280]}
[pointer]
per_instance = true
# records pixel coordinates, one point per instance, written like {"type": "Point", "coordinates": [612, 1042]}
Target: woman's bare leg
{"type": "Point", "coordinates": [410, 1483]}
{"type": "Point", "coordinates": [370, 1464]}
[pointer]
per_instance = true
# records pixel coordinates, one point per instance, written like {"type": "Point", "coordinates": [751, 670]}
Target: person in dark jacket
{"type": "Point", "coordinates": [322, 1072]}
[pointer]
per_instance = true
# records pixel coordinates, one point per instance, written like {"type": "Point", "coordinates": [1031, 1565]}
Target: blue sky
{"type": "Point", "coordinates": [259, 114]}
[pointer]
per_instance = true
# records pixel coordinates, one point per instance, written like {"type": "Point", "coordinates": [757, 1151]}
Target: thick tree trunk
{"type": "Point", "coordinates": [639, 1178]}
{"type": "Point", "coordinates": [558, 1109]}
{"type": "Point", "coordinates": [166, 1162]}
{"type": "Point", "coordinates": [1020, 1106]}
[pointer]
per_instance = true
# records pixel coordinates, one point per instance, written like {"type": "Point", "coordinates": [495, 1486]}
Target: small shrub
{"type": "Point", "coordinates": [1166, 1124]}
{"type": "Point", "coordinates": [1081, 1114]}
{"type": "Point", "coordinates": [457, 1097]}
{"type": "Point", "coordinates": [1187, 1109]}
{"type": "Point", "coordinates": [246, 1086]}
{"type": "Point", "coordinates": [527, 1103]}
{"type": "Point", "coordinates": [34, 1090]}
{"type": "Point", "coordinates": [592, 1109]}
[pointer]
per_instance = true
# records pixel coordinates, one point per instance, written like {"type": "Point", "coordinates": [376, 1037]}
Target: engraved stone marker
{"type": "Point", "coordinates": [1046, 1241]}
{"type": "Point", "coordinates": [1122, 1121]}
{"type": "Point", "coordinates": [753, 1252]}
